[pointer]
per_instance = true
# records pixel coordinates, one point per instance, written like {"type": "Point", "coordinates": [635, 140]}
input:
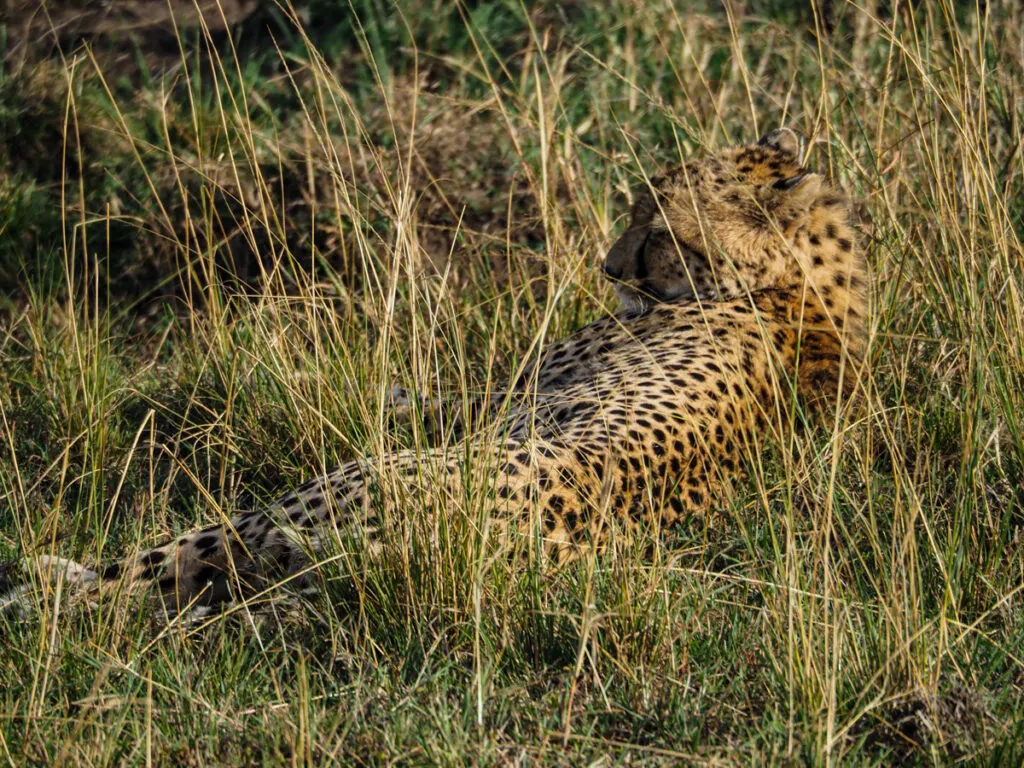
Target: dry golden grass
{"type": "Point", "coordinates": [213, 276]}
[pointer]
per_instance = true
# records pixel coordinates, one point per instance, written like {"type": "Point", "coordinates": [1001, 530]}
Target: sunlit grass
{"type": "Point", "coordinates": [214, 281]}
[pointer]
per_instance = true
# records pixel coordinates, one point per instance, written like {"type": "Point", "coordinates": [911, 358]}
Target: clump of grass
{"type": "Point", "coordinates": [397, 202]}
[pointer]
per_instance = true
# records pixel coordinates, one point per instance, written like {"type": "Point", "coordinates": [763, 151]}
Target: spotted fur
{"type": "Point", "coordinates": [740, 275]}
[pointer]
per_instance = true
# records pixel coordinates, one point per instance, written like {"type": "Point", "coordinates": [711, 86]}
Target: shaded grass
{"type": "Point", "coordinates": [210, 289]}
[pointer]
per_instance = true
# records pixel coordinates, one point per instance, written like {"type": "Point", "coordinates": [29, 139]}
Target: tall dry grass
{"type": "Point", "coordinates": [214, 288]}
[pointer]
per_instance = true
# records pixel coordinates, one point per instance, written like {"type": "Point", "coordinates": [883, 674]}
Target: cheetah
{"type": "Point", "coordinates": [741, 285]}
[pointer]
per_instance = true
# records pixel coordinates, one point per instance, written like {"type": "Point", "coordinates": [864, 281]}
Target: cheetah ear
{"type": "Point", "coordinates": [785, 185]}
{"type": "Point", "coordinates": [799, 190]}
{"type": "Point", "coordinates": [787, 141]}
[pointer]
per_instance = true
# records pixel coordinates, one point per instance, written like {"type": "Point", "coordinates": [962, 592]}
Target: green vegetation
{"type": "Point", "coordinates": [217, 256]}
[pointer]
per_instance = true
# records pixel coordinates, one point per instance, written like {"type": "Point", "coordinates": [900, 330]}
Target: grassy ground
{"type": "Point", "coordinates": [219, 252]}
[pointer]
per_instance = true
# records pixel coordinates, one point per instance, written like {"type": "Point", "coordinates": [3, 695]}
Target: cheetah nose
{"type": "Point", "coordinates": [612, 273]}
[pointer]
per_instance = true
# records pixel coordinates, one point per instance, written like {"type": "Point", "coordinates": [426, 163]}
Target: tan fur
{"type": "Point", "coordinates": [739, 271]}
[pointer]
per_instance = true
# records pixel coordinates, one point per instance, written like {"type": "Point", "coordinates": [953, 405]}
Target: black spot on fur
{"type": "Point", "coordinates": [150, 563]}
{"type": "Point", "coordinates": [152, 558]}
{"type": "Point", "coordinates": [111, 572]}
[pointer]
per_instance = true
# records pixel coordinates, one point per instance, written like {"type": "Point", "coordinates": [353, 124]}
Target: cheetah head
{"type": "Point", "coordinates": [745, 219]}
